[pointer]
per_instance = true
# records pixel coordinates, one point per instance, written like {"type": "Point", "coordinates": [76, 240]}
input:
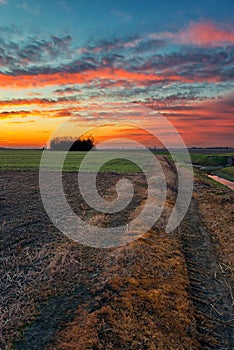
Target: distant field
{"type": "Point", "coordinates": [20, 160]}
{"type": "Point", "coordinates": [30, 160]}
{"type": "Point", "coordinates": [210, 160]}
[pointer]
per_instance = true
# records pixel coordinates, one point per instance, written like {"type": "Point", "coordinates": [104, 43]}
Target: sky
{"type": "Point", "coordinates": [75, 65]}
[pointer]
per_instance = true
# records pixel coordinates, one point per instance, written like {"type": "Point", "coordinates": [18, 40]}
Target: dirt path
{"type": "Point", "coordinates": [210, 294]}
{"type": "Point", "coordinates": [211, 289]}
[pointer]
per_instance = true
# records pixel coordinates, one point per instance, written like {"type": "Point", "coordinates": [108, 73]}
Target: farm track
{"type": "Point", "coordinates": [70, 282]}
{"type": "Point", "coordinates": [210, 291]}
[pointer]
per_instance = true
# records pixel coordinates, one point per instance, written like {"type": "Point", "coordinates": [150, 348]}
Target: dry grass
{"type": "Point", "coordinates": [216, 208]}
{"type": "Point", "coordinates": [142, 300]}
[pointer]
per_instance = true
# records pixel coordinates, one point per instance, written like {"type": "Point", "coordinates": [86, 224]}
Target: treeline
{"type": "Point", "coordinates": [72, 144]}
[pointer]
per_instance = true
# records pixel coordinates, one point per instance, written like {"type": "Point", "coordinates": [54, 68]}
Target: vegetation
{"type": "Point", "coordinates": [20, 159]}
{"type": "Point", "coordinates": [209, 160]}
{"type": "Point", "coordinates": [201, 177]}
{"type": "Point", "coordinates": [145, 303]}
{"type": "Point", "coordinates": [226, 173]}
{"type": "Point", "coordinates": [71, 144]}
{"type": "Point", "coordinates": [30, 160]}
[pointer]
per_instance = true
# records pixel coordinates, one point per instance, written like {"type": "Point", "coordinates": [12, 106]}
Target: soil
{"type": "Point", "coordinates": [163, 291]}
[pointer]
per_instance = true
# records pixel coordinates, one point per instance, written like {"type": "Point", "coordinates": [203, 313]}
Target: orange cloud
{"type": "Point", "coordinates": [26, 81]}
{"type": "Point", "coordinates": [45, 113]}
{"type": "Point", "coordinates": [41, 80]}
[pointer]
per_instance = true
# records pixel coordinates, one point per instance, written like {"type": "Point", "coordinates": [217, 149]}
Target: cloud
{"type": "Point", "coordinates": [37, 101]}
{"type": "Point", "coordinates": [85, 77]}
{"type": "Point", "coordinates": [68, 91]}
{"type": "Point", "coordinates": [64, 5]}
{"type": "Point", "coordinates": [13, 114]}
{"type": "Point", "coordinates": [33, 8]}
{"type": "Point", "coordinates": [22, 122]}
{"type": "Point", "coordinates": [111, 44]}
{"type": "Point", "coordinates": [190, 109]}
{"type": "Point", "coordinates": [205, 33]}
{"type": "Point", "coordinates": [149, 45]}
{"type": "Point", "coordinates": [40, 113]}
{"type": "Point", "coordinates": [201, 121]}
{"type": "Point", "coordinates": [108, 63]}
{"type": "Point", "coordinates": [110, 77]}
{"type": "Point", "coordinates": [3, 2]}
{"type": "Point", "coordinates": [19, 51]}
{"type": "Point", "coordinates": [123, 16]}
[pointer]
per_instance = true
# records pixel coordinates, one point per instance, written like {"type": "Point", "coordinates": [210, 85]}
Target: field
{"type": "Point", "coordinates": [30, 160]}
{"type": "Point", "coordinates": [210, 159]}
{"type": "Point", "coordinates": [162, 291]}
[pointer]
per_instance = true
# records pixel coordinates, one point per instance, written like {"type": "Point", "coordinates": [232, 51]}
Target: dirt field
{"type": "Point", "coordinates": [163, 291]}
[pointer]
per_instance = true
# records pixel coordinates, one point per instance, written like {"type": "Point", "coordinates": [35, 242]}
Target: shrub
{"type": "Point", "coordinates": [72, 144]}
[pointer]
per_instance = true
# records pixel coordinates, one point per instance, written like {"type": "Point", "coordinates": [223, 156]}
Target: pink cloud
{"type": "Point", "coordinates": [201, 34]}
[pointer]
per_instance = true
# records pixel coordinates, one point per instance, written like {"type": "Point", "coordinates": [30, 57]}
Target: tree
{"type": "Point", "coordinates": [72, 144]}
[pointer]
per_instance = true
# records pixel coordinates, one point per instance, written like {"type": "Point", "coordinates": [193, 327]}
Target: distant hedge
{"type": "Point", "coordinates": [72, 144]}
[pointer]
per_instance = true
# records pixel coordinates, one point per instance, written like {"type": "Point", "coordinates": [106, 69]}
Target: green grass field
{"type": "Point", "coordinates": [30, 160]}
{"type": "Point", "coordinates": [210, 160]}
{"type": "Point", "coordinates": [20, 160]}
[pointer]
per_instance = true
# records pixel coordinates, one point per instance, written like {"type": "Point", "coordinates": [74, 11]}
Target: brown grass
{"type": "Point", "coordinates": [145, 292]}
{"type": "Point", "coordinates": [216, 207]}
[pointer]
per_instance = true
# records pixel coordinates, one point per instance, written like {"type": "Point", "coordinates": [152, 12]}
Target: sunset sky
{"type": "Point", "coordinates": [91, 62]}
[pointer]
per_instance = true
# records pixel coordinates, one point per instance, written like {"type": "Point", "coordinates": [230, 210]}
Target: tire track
{"type": "Point", "coordinates": [209, 291]}
{"type": "Point", "coordinates": [211, 297]}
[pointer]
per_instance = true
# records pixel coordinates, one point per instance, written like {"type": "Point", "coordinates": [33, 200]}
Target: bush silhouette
{"type": "Point", "coordinates": [72, 144]}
